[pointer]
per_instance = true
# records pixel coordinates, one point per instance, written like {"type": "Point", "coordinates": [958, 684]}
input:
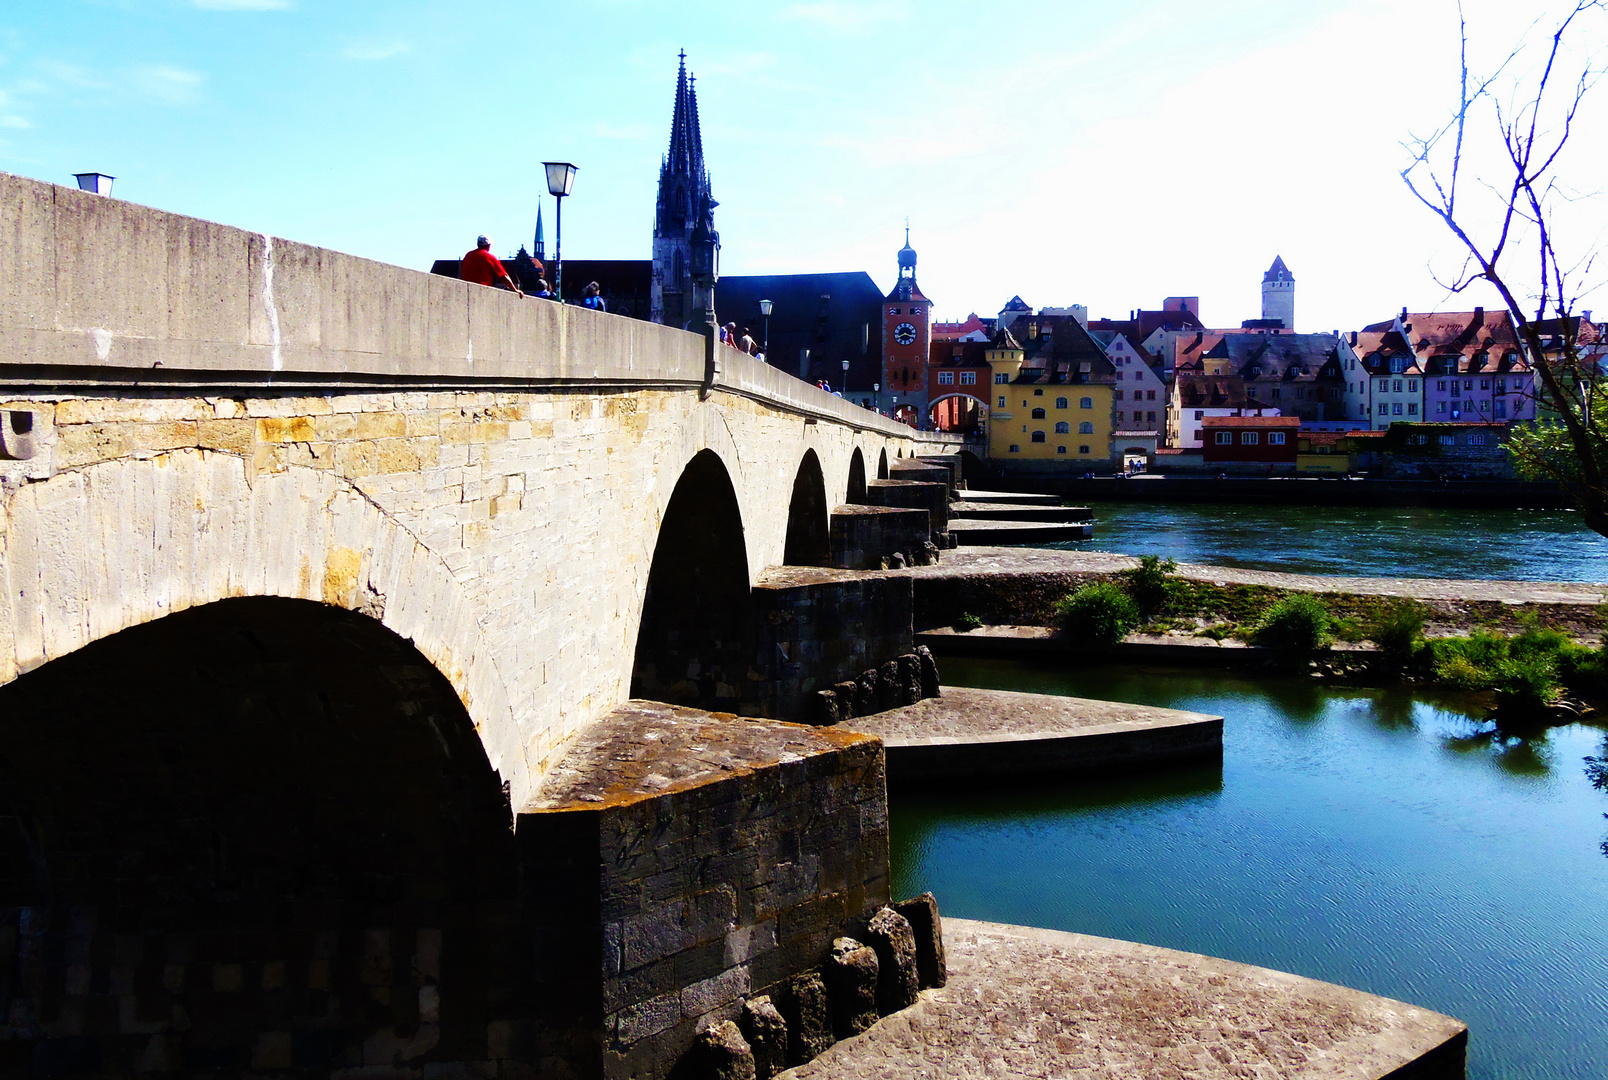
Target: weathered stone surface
{"type": "Point", "coordinates": [909, 679]}
{"type": "Point", "coordinates": [888, 685]}
{"type": "Point", "coordinates": [889, 934]}
{"type": "Point", "coordinates": [826, 708]}
{"type": "Point", "coordinates": [897, 560]}
{"type": "Point", "coordinates": [766, 1033]}
{"type": "Point", "coordinates": [866, 698]}
{"type": "Point", "coordinates": [721, 1053]}
{"type": "Point", "coordinates": [851, 986]}
{"type": "Point", "coordinates": [1039, 1003]}
{"type": "Point", "coordinates": [921, 912]}
{"type": "Point", "coordinates": [929, 672]}
{"type": "Point", "coordinates": [847, 691]}
{"type": "Point", "coordinates": [808, 1016]}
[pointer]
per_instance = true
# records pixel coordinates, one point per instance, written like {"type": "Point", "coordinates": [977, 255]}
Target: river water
{"type": "Point", "coordinates": [1364, 837]}
{"type": "Point", "coordinates": [1518, 545]}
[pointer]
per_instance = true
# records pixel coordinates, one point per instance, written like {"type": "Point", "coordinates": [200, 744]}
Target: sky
{"type": "Point", "coordinates": [1069, 152]}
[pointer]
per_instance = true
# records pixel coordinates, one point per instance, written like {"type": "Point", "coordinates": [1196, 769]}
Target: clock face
{"type": "Point", "coordinates": [904, 333]}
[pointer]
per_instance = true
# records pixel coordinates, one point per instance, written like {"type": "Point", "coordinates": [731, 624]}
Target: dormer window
{"type": "Point", "coordinates": [1397, 365]}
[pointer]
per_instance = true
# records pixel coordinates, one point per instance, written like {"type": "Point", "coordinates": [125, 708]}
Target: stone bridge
{"type": "Point", "coordinates": [314, 569]}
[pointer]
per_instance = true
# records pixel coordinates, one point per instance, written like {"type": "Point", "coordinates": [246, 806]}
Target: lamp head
{"type": "Point", "coordinates": [560, 177]}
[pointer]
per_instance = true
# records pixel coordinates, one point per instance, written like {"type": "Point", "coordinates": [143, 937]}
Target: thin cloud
{"type": "Point", "coordinates": [14, 122]}
{"type": "Point", "coordinates": [176, 86]}
{"type": "Point", "coordinates": [242, 5]}
{"type": "Point", "coordinates": [371, 51]}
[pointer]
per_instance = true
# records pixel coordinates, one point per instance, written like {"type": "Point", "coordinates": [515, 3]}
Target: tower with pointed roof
{"type": "Point", "coordinates": [540, 251]}
{"type": "Point", "coordinates": [683, 187]}
{"type": "Point", "coordinates": [906, 341]}
{"type": "Point", "coordinates": [1278, 293]}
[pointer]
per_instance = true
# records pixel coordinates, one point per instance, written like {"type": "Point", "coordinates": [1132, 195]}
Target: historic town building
{"type": "Point", "coordinates": [906, 342]}
{"type": "Point", "coordinates": [1278, 294]}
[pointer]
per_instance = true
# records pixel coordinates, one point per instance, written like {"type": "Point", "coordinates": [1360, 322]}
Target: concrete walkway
{"type": "Point", "coordinates": [974, 561]}
{"type": "Point", "coordinates": [967, 732]}
{"type": "Point", "coordinates": [1041, 1003]}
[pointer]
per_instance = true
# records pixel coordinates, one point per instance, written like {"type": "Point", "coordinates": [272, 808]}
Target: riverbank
{"type": "Point", "coordinates": [1020, 587]}
{"type": "Point", "coordinates": [1294, 491]}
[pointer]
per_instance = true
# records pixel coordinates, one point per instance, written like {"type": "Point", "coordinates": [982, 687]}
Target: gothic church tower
{"type": "Point", "coordinates": [683, 185]}
{"type": "Point", "coordinates": [1278, 293]}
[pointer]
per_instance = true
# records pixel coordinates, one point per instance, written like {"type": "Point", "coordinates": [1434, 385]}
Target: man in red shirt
{"type": "Point", "coordinates": [483, 268]}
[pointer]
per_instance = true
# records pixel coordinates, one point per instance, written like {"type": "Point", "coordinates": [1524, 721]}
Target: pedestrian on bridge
{"type": "Point", "coordinates": [483, 268]}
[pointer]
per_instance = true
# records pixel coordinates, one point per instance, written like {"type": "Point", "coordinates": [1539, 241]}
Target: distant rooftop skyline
{"type": "Point", "coordinates": [1068, 153]}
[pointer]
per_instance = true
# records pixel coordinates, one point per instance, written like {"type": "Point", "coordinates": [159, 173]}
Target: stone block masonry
{"type": "Point", "coordinates": [703, 860]}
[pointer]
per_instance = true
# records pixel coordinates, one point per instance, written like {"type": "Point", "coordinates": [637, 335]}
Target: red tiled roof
{"type": "Point", "coordinates": [1291, 422]}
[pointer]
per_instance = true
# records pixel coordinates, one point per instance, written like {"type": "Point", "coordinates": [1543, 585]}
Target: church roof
{"type": "Point", "coordinates": [685, 155]}
{"type": "Point", "coordinates": [1278, 271]}
{"type": "Point", "coordinates": [1003, 340]}
{"type": "Point", "coordinates": [1016, 303]}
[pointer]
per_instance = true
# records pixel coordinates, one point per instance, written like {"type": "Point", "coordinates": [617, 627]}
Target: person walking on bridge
{"type": "Point", "coordinates": [483, 268]}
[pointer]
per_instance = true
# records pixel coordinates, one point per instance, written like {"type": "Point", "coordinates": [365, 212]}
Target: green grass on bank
{"type": "Point", "coordinates": [1527, 671]}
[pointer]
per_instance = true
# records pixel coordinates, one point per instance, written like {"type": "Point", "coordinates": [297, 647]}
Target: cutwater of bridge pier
{"type": "Point", "coordinates": [318, 570]}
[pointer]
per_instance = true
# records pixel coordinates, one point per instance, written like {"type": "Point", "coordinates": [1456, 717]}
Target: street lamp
{"type": "Point", "coordinates": [845, 376]}
{"type": "Point", "coordinates": [99, 183]}
{"type": "Point", "coordinates": [560, 178]}
{"type": "Point", "coordinates": [765, 310]}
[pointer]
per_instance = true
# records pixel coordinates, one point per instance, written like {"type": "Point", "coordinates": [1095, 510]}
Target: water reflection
{"type": "Point", "coordinates": [1350, 834]}
{"type": "Point", "coordinates": [1518, 545]}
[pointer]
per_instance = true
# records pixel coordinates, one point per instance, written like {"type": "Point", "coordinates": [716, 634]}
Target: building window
{"type": "Point", "coordinates": [1412, 408]}
{"type": "Point", "coordinates": [1384, 385]}
{"type": "Point", "coordinates": [1412, 385]}
{"type": "Point", "coordinates": [1468, 384]}
{"type": "Point", "coordinates": [1015, 449]}
{"type": "Point", "coordinates": [1249, 438]}
{"type": "Point", "coordinates": [1419, 440]}
{"type": "Point", "coordinates": [1455, 391]}
{"type": "Point", "coordinates": [1038, 414]}
{"type": "Point", "coordinates": [1225, 438]}
{"type": "Point", "coordinates": [1060, 449]}
{"type": "Point", "coordinates": [1485, 384]}
{"type": "Point", "coordinates": [1119, 395]}
{"type": "Point", "coordinates": [1038, 436]}
{"type": "Point", "coordinates": [1200, 414]}
{"type": "Point", "coordinates": [1060, 402]}
{"type": "Point", "coordinates": [1396, 408]}
{"type": "Point", "coordinates": [1276, 393]}
{"type": "Point", "coordinates": [1086, 428]}
{"type": "Point", "coordinates": [1448, 440]}
{"type": "Point", "coordinates": [1440, 384]}
{"type": "Point", "coordinates": [1150, 418]}
{"type": "Point", "coordinates": [1384, 410]}
{"type": "Point", "coordinates": [1501, 409]}
{"type": "Point", "coordinates": [1118, 415]}
{"type": "Point", "coordinates": [1002, 403]}
{"type": "Point", "coordinates": [1476, 439]}
{"type": "Point", "coordinates": [1397, 387]}
{"type": "Point", "coordinates": [1397, 365]}
{"type": "Point", "coordinates": [1038, 393]}
{"type": "Point", "coordinates": [1440, 407]}
{"type": "Point", "coordinates": [1150, 395]}
{"type": "Point", "coordinates": [915, 311]}
{"type": "Point", "coordinates": [1501, 386]}
{"type": "Point", "coordinates": [895, 311]}
{"type": "Point", "coordinates": [1300, 393]}
{"type": "Point", "coordinates": [1086, 403]}
{"type": "Point", "coordinates": [968, 378]}
{"type": "Point", "coordinates": [1275, 438]}
{"type": "Point", "coordinates": [1083, 449]}
{"type": "Point", "coordinates": [1001, 379]}
{"type": "Point", "coordinates": [1120, 375]}
{"type": "Point", "coordinates": [946, 378]}
{"type": "Point", "coordinates": [1063, 428]}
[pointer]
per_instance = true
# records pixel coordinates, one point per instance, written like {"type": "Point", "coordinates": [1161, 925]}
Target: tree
{"type": "Point", "coordinates": [1534, 112]}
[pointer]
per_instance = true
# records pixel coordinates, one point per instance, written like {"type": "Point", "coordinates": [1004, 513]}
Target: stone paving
{"type": "Point", "coordinates": [966, 714]}
{"type": "Point", "coordinates": [1041, 1003]}
{"type": "Point", "coordinates": [1004, 560]}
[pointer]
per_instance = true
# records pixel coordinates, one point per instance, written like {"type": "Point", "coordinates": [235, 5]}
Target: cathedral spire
{"type": "Point", "coordinates": [683, 190]}
{"type": "Point", "coordinates": [541, 240]}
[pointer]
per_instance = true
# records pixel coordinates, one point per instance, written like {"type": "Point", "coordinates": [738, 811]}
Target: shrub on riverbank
{"type": "Point", "coordinates": [1299, 621]}
{"type": "Point", "coordinates": [1152, 584]}
{"type": "Point", "coordinates": [1398, 630]}
{"type": "Point", "coordinates": [1103, 613]}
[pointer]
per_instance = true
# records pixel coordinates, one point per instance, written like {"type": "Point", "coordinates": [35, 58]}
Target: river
{"type": "Point", "coordinates": [1370, 838]}
{"type": "Point", "coordinates": [1518, 545]}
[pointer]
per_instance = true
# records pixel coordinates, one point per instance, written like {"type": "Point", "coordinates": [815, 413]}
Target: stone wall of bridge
{"type": "Point", "coordinates": [214, 413]}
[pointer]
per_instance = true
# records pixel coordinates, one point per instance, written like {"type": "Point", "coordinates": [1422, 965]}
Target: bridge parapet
{"type": "Point", "coordinates": [103, 292]}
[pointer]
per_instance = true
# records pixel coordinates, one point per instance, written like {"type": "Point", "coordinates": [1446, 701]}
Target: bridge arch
{"type": "Point", "coordinates": [882, 464]}
{"type": "Point", "coordinates": [692, 638]}
{"type": "Point", "coordinates": [96, 551]}
{"type": "Point", "coordinates": [807, 540]}
{"type": "Point", "coordinates": [285, 806]}
{"type": "Point", "coordinates": [856, 486]}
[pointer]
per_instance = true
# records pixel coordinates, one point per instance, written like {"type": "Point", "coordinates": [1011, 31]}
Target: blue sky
{"type": "Point", "coordinates": [1070, 152]}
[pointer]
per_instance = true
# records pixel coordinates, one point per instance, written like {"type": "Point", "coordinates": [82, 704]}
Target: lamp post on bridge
{"type": "Point", "coordinates": [765, 310]}
{"type": "Point", "coordinates": [560, 178]}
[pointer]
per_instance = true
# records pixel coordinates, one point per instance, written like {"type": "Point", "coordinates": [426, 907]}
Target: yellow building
{"type": "Point", "coordinates": [1053, 405]}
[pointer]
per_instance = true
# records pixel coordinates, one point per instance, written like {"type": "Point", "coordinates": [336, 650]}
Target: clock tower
{"type": "Point", "coordinates": [906, 344]}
